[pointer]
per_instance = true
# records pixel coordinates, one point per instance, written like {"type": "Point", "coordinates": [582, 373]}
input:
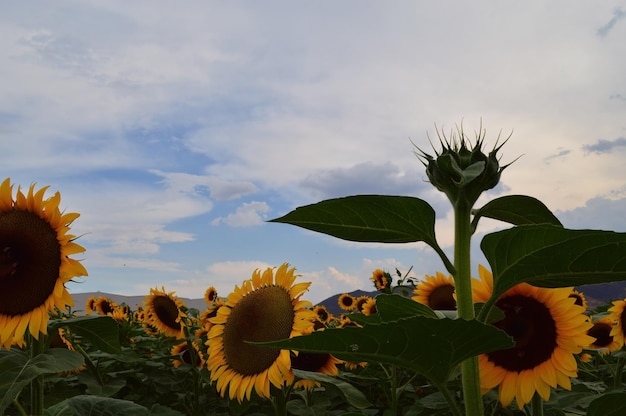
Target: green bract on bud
{"type": "Point", "coordinates": [461, 172]}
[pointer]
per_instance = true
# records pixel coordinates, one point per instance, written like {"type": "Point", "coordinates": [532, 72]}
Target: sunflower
{"type": "Point", "coordinates": [267, 307]}
{"type": "Point", "coordinates": [548, 329]}
{"type": "Point", "coordinates": [382, 280]}
{"type": "Point", "coordinates": [322, 314]}
{"type": "Point", "coordinates": [105, 306]}
{"type": "Point", "coordinates": [618, 315]}
{"type": "Point", "coordinates": [210, 295]}
{"type": "Point", "coordinates": [90, 305]}
{"type": "Point", "coordinates": [316, 362]}
{"type": "Point", "coordinates": [601, 331]}
{"type": "Point", "coordinates": [369, 307]}
{"type": "Point", "coordinates": [346, 302]}
{"type": "Point", "coordinates": [164, 312]}
{"type": "Point", "coordinates": [360, 301]}
{"type": "Point", "coordinates": [184, 357]}
{"type": "Point", "coordinates": [436, 292]}
{"type": "Point", "coordinates": [34, 261]}
{"type": "Point", "coordinates": [579, 298]}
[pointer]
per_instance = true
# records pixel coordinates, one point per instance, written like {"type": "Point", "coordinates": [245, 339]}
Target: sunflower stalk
{"type": "Point", "coordinates": [465, 305]}
{"type": "Point", "coordinates": [536, 405]}
{"type": "Point", "coordinates": [37, 347]}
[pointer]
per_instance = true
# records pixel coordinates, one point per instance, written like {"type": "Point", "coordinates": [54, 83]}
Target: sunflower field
{"type": "Point", "coordinates": [511, 338]}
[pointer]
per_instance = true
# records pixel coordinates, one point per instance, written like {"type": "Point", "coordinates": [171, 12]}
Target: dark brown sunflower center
{"type": "Point", "coordinates": [602, 333]}
{"type": "Point", "coordinates": [30, 259]}
{"type": "Point", "coordinates": [578, 299]}
{"type": "Point", "coordinates": [309, 361]}
{"type": "Point", "coordinates": [442, 298]}
{"type": "Point", "coordinates": [531, 325]}
{"type": "Point", "coordinates": [166, 311]}
{"type": "Point", "coordinates": [265, 314]}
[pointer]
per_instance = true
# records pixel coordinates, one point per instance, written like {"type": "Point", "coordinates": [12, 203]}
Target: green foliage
{"type": "Point", "coordinates": [18, 370]}
{"type": "Point", "coordinates": [101, 331]}
{"type": "Point", "coordinates": [516, 210]}
{"type": "Point", "coordinates": [431, 347]}
{"type": "Point", "coordinates": [551, 256]}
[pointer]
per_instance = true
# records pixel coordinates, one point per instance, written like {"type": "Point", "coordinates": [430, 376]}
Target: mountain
{"type": "Point", "coordinates": [596, 295]}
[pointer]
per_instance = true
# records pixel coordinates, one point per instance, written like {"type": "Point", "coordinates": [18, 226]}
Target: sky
{"type": "Point", "coordinates": [178, 129]}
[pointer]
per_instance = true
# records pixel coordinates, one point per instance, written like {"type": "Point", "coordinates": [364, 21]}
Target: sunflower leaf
{"type": "Point", "coordinates": [96, 406]}
{"type": "Point", "coordinates": [394, 307]}
{"type": "Point", "coordinates": [351, 394]}
{"type": "Point", "coordinates": [368, 218]}
{"type": "Point", "coordinates": [18, 369]}
{"type": "Point", "coordinates": [516, 210]}
{"type": "Point", "coordinates": [612, 404]}
{"type": "Point", "coordinates": [552, 256]}
{"type": "Point", "coordinates": [101, 331]}
{"type": "Point", "coordinates": [432, 347]}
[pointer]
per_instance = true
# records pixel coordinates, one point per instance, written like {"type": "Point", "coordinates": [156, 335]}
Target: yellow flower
{"type": "Point", "coordinates": [164, 312]}
{"type": "Point", "coordinates": [618, 314]}
{"type": "Point", "coordinates": [436, 292]}
{"type": "Point", "coordinates": [579, 298]}
{"type": "Point", "coordinates": [346, 302]}
{"type": "Point", "coordinates": [316, 362]}
{"type": "Point", "coordinates": [34, 261]}
{"type": "Point", "coordinates": [105, 306]}
{"type": "Point", "coordinates": [184, 357]}
{"type": "Point", "coordinates": [549, 331]}
{"type": "Point", "coordinates": [90, 305]}
{"type": "Point", "coordinates": [381, 279]}
{"type": "Point", "coordinates": [360, 301]}
{"type": "Point", "coordinates": [267, 307]}
{"type": "Point", "coordinates": [322, 314]}
{"type": "Point", "coordinates": [369, 307]}
{"type": "Point", "coordinates": [210, 295]}
{"type": "Point", "coordinates": [601, 332]}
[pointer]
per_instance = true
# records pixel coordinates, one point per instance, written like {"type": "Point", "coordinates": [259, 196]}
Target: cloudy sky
{"type": "Point", "coordinates": [177, 129]}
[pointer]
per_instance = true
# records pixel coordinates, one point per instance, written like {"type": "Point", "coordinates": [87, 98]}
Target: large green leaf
{"type": "Point", "coordinates": [517, 210]}
{"type": "Point", "coordinates": [96, 406]}
{"type": "Point", "coordinates": [101, 331]}
{"type": "Point", "coordinates": [394, 307]}
{"type": "Point", "coordinates": [350, 394]}
{"type": "Point", "coordinates": [611, 404]}
{"type": "Point", "coordinates": [432, 347]}
{"type": "Point", "coordinates": [551, 256]}
{"type": "Point", "coordinates": [368, 218]}
{"type": "Point", "coordinates": [17, 369]}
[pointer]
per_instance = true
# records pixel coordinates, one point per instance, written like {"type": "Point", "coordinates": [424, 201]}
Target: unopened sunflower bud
{"type": "Point", "coordinates": [460, 172]}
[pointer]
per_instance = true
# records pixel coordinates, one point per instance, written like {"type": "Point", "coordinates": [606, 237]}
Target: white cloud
{"type": "Point", "coordinates": [247, 215]}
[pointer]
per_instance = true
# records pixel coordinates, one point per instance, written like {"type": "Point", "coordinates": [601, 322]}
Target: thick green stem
{"type": "Point", "coordinates": [537, 405]}
{"type": "Point", "coordinates": [465, 304]}
{"type": "Point", "coordinates": [37, 386]}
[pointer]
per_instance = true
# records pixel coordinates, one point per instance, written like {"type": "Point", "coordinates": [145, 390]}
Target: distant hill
{"type": "Point", "coordinates": [596, 295]}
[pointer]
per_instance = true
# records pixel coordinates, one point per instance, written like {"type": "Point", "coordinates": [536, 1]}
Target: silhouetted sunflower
{"type": "Point", "coordinates": [34, 261]}
{"type": "Point", "coordinates": [548, 329]}
{"type": "Point", "coordinates": [164, 312]}
{"type": "Point", "coordinates": [601, 331]}
{"type": "Point", "coordinates": [618, 315]}
{"type": "Point", "coordinates": [267, 307]}
{"type": "Point", "coordinates": [346, 301]}
{"type": "Point", "coordinates": [183, 355]}
{"type": "Point", "coordinates": [210, 295]}
{"type": "Point", "coordinates": [436, 292]}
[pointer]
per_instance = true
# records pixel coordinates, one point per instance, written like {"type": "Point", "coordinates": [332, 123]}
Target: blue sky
{"type": "Point", "coordinates": [177, 129]}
